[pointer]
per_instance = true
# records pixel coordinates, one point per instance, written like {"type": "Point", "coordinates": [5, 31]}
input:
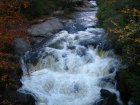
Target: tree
{"type": "Point", "coordinates": [121, 19]}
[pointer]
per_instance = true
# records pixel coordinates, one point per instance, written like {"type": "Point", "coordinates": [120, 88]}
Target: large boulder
{"type": "Point", "coordinates": [21, 46]}
{"type": "Point", "coordinates": [46, 28]}
{"type": "Point", "coordinates": [20, 98]}
{"type": "Point", "coordinates": [108, 98]}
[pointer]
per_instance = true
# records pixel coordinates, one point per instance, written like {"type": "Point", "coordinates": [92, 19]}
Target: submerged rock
{"type": "Point", "coordinates": [81, 51]}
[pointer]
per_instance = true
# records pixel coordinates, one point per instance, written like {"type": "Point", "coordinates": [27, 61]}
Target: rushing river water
{"type": "Point", "coordinates": [73, 66]}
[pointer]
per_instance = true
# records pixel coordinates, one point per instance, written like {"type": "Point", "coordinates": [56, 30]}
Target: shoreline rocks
{"type": "Point", "coordinates": [123, 88]}
{"type": "Point", "coordinates": [108, 98]}
{"type": "Point", "coordinates": [20, 98]}
{"type": "Point", "coordinates": [46, 28]}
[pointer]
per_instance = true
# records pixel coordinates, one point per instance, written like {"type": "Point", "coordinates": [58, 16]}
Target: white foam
{"type": "Point", "coordinates": [76, 86]}
{"type": "Point", "coordinates": [71, 76]}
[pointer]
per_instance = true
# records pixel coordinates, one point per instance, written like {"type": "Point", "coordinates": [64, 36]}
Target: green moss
{"type": "Point", "coordinates": [101, 53]}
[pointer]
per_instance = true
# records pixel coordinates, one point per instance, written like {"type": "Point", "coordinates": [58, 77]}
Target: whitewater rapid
{"type": "Point", "coordinates": [72, 67]}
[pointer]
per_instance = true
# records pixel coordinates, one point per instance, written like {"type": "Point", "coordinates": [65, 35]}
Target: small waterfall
{"type": "Point", "coordinates": [72, 67]}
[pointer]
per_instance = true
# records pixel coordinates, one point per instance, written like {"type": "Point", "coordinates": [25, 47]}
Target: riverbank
{"type": "Point", "coordinates": [121, 19]}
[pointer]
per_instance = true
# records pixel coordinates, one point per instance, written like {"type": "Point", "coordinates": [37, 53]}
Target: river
{"type": "Point", "coordinates": [71, 67]}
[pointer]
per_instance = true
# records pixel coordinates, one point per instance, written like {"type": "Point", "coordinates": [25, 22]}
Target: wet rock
{"type": "Point", "coordinates": [81, 51]}
{"type": "Point", "coordinates": [43, 29]}
{"type": "Point", "coordinates": [57, 45]}
{"type": "Point", "coordinates": [108, 98]}
{"type": "Point", "coordinates": [87, 9]}
{"type": "Point", "coordinates": [112, 70]}
{"type": "Point", "coordinates": [59, 12]}
{"type": "Point", "coordinates": [71, 47]}
{"type": "Point", "coordinates": [76, 87]}
{"type": "Point", "coordinates": [33, 58]}
{"type": "Point", "coordinates": [20, 98]}
{"type": "Point", "coordinates": [11, 94]}
{"type": "Point", "coordinates": [122, 86]}
{"type": "Point", "coordinates": [21, 46]}
{"type": "Point", "coordinates": [36, 41]}
{"type": "Point", "coordinates": [86, 42]}
{"type": "Point", "coordinates": [88, 58]}
{"type": "Point", "coordinates": [86, 3]}
{"type": "Point", "coordinates": [66, 68]}
{"type": "Point", "coordinates": [105, 93]}
{"type": "Point", "coordinates": [64, 55]}
{"type": "Point", "coordinates": [110, 54]}
{"type": "Point", "coordinates": [96, 31]}
{"type": "Point", "coordinates": [40, 41]}
{"type": "Point", "coordinates": [106, 81]}
{"type": "Point", "coordinates": [73, 26]}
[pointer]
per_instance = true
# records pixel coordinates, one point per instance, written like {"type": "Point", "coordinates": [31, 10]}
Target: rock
{"type": "Point", "coordinates": [21, 46]}
{"type": "Point", "coordinates": [60, 12]}
{"type": "Point", "coordinates": [107, 79]}
{"type": "Point", "coordinates": [123, 87]}
{"type": "Point", "coordinates": [93, 2]}
{"type": "Point", "coordinates": [105, 93]}
{"type": "Point", "coordinates": [73, 26]}
{"type": "Point", "coordinates": [86, 3]}
{"type": "Point", "coordinates": [87, 9]}
{"type": "Point", "coordinates": [71, 47]}
{"type": "Point", "coordinates": [87, 6]}
{"type": "Point", "coordinates": [43, 29]}
{"type": "Point", "coordinates": [108, 98]}
{"type": "Point", "coordinates": [20, 98]}
{"type": "Point", "coordinates": [11, 94]}
{"type": "Point", "coordinates": [112, 70]}
{"type": "Point", "coordinates": [86, 42]}
{"type": "Point", "coordinates": [81, 51]}
{"type": "Point", "coordinates": [37, 40]}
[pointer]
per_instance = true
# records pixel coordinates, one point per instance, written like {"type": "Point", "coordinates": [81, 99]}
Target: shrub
{"type": "Point", "coordinates": [121, 19]}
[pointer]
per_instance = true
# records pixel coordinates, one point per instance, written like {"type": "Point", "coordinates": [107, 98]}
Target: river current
{"type": "Point", "coordinates": [73, 66]}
